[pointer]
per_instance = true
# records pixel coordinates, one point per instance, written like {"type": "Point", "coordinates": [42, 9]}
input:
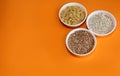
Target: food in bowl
{"type": "Point", "coordinates": [72, 14]}
{"type": "Point", "coordinates": [101, 23]}
{"type": "Point", "coordinates": [80, 42]}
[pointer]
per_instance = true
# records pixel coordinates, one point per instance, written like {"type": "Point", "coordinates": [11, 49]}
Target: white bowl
{"type": "Point", "coordinates": [108, 14]}
{"type": "Point", "coordinates": [72, 4]}
{"type": "Point", "coordinates": [71, 32]}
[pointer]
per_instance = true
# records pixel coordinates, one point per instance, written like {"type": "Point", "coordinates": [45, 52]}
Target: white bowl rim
{"type": "Point", "coordinates": [77, 29]}
{"type": "Point", "coordinates": [71, 4]}
{"type": "Point", "coordinates": [106, 12]}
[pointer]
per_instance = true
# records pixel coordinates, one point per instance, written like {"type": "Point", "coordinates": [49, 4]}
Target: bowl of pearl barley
{"type": "Point", "coordinates": [72, 14]}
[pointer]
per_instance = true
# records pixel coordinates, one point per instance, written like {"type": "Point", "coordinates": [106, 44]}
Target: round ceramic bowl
{"type": "Point", "coordinates": [106, 13]}
{"type": "Point", "coordinates": [72, 4]}
{"type": "Point", "coordinates": [78, 29]}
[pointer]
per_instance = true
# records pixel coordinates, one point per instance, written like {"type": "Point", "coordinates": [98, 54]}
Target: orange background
{"type": "Point", "coordinates": [32, 41]}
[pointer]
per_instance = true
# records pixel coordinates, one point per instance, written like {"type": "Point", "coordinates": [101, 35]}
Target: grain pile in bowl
{"type": "Point", "coordinates": [81, 42]}
{"type": "Point", "coordinates": [72, 15]}
{"type": "Point", "coordinates": [101, 23]}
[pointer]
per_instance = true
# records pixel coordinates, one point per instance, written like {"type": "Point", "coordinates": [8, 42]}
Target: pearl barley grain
{"type": "Point", "coordinates": [72, 15]}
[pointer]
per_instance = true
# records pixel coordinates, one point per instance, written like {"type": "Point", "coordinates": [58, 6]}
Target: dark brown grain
{"type": "Point", "coordinates": [81, 42]}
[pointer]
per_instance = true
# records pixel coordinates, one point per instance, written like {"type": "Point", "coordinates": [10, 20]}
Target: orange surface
{"type": "Point", "coordinates": [32, 41]}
